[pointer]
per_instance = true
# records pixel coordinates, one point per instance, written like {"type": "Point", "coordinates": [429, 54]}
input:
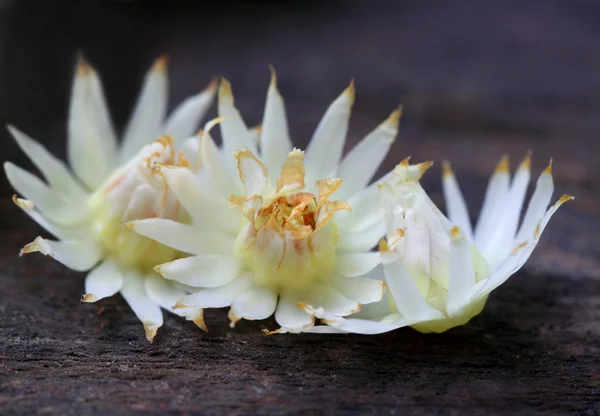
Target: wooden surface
{"type": "Point", "coordinates": [476, 81]}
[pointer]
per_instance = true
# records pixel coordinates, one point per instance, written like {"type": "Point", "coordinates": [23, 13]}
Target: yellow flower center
{"type": "Point", "coordinates": [136, 191]}
{"type": "Point", "coordinates": [290, 239]}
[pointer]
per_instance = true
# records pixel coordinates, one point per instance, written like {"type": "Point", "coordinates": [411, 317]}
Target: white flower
{"type": "Point", "coordinates": [283, 241]}
{"type": "Point", "coordinates": [440, 272]}
{"type": "Point", "coordinates": [111, 185]}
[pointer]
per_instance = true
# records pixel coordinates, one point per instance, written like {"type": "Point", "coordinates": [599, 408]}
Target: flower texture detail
{"type": "Point", "coordinates": [275, 229]}
{"type": "Point", "coordinates": [112, 184]}
{"type": "Point", "coordinates": [439, 270]}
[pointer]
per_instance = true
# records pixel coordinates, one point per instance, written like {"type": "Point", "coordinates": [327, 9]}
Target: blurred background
{"type": "Point", "coordinates": [477, 79]}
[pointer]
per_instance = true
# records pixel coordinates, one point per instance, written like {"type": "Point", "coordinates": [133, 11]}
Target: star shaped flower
{"type": "Point", "coordinates": [111, 184]}
{"type": "Point", "coordinates": [438, 270]}
{"type": "Point", "coordinates": [276, 228]}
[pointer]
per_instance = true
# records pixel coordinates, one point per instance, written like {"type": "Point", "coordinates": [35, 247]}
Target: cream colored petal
{"type": "Point", "coordinates": [103, 281]}
{"type": "Point", "coordinates": [143, 203]}
{"type": "Point", "coordinates": [253, 173]}
{"type": "Point", "coordinates": [76, 255]}
{"type": "Point", "coordinates": [362, 240]}
{"type": "Point", "coordinates": [217, 297]}
{"type": "Point", "coordinates": [149, 113]}
{"type": "Point", "coordinates": [462, 273]}
{"type": "Point", "coordinates": [361, 163]}
{"type": "Point", "coordinates": [223, 176]}
{"type": "Point", "coordinates": [234, 132]}
{"type": "Point", "coordinates": [206, 270]}
{"type": "Point", "coordinates": [325, 149]}
{"type": "Point", "coordinates": [166, 295]}
{"type": "Point", "coordinates": [292, 172]}
{"type": "Point", "coordinates": [92, 144]}
{"type": "Point", "coordinates": [190, 149]}
{"type": "Point", "coordinates": [185, 119]}
{"type": "Point", "coordinates": [53, 205]}
{"type": "Point", "coordinates": [289, 316]}
{"type": "Point", "coordinates": [275, 142]}
{"type": "Point", "coordinates": [361, 289]}
{"type": "Point", "coordinates": [495, 196]}
{"type": "Point", "coordinates": [145, 308]}
{"type": "Point", "coordinates": [206, 211]}
{"type": "Point", "coordinates": [258, 303]}
{"type": "Point", "coordinates": [354, 264]}
{"type": "Point", "coordinates": [498, 243]}
{"type": "Point", "coordinates": [62, 232]}
{"type": "Point", "coordinates": [183, 237]}
{"type": "Point", "coordinates": [455, 202]}
{"type": "Point", "coordinates": [408, 299]}
{"type": "Point", "coordinates": [53, 169]}
{"type": "Point", "coordinates": [331, 300]}
{"type": "Point", "coordinates": [361, 326]}
{"type": "Point", "coordinates": [537, 206]}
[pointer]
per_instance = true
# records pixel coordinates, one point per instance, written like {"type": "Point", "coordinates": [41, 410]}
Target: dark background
{"type": "Point", "coordinates": [477, 79]}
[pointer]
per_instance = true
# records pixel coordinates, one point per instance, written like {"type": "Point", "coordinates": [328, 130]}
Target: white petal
{"type": "Point", "coordinates": [327, 144]}
{"type": "Point", "coordinates": [166, 295]}
{"type": "Point", "coordinates": [103, 281]}
{"type": "Point", "coordinates": [462, 272]}
{"type": "Point", "coordinates": [537, 206]}
{"type": "Point", "coordinates": [362, 240]}
{"type": "Point", "coordinates": [361, 289]}
{"type": "Point", "coordinates": [62, 232]}
{"type": "Point", "coordinates": [499, 242]}
{"type": "Point", "coordinates": [205, 209]}
{"type": "Point", "coordinates": [495, 197]}
{"type": "Point", "coordinates": [455, 202]}
{"type": "Point", "coordinates": [366, 211]}
{"type": "Point", "coordinates": [361, 163]}
{"type": "Point", "coordinates": [519, 254]}
{"type": "Point", "coordinates": [184, 237]}
{"type": "Point", "coordinates": [288, 315]}
{"type": "Point", "coordinates": [190, 148]}
{"type": "Point", "coordinates": [330, 299]}
{"type": "Point", "coordinates": [53, 205]}
{"type": "Point", "coordinates": [92, 143]}
{"type": "Point", "coordinates": [361, 326]}
{"type": "Point", "coordinates": [54, 170]}
{"type": "Point", "coordinates": [145, 123]}
{"type": "Point", "coordinates": [207, 270]}
{"type": "Point", "coordinates": [275, 142]}
{"type": "Point", "coordinates": [258, 303]}
{"type": "Point", "coordinates": [234, 132]}
{"type": "Point", "coordinates": [217, 297]}
{"type": "Point", "coordinates": [142, 203]}
{"type": "Point", "coordinates": [145, 308]}
{"type": "Point", "coordinates": [223, 177]}
{"type": "Point", "coordinates": [253, 173]}
{"type": "Point", "coordinates": [356, 264]}
{"type": "Point", "coordinates": [410, 303]}
{"type": "Point", "coordinates": [76, 255]}
{"type": "Point", "coordinates": [185, 119]}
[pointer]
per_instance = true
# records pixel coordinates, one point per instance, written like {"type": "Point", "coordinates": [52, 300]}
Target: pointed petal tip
{"type": "Point", "coordinates": [225, 89]}
{"type": "Point", "coordinates": [447, 170]}
{"type": "Point", "coordinates": [564, 198]}
{"type": "Point", "coordinates": [526, 162]}
{"type": "Point", "coordinates": [199, 321]}
{"type": "Point", "coordinates": [383, 246]}
{"type": "Point", "coordinates": [273, 83]}
{"type": "Point", "coordinates": [24, 204]}
{"type": "Point", "coordinates": [548, 169]}
{"type": "Point", "coordinates": [503, 165]}
{"type": "Point", "coordinates": [84, 68]}
{"type": "Point", "coordinates": [455, 233]}
{"type": "Point", "coordinates": [88, 298]}
{"type": "Point", "coordinates": [151, 331]}
{"type": "Point", "coordinates": [395, 116]}
{"type": "Point", "coordinates": [350, 91]}
{"type": "Point", "coordinates": [233, 319]}
{"type": "Point", "coordinates": [160, 64]}
{"type": "Point", "coordinates": [39, 245]}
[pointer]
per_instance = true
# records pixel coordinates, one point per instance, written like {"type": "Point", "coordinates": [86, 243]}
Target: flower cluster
{"type": "Point", "coordinates": [171, 220]}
